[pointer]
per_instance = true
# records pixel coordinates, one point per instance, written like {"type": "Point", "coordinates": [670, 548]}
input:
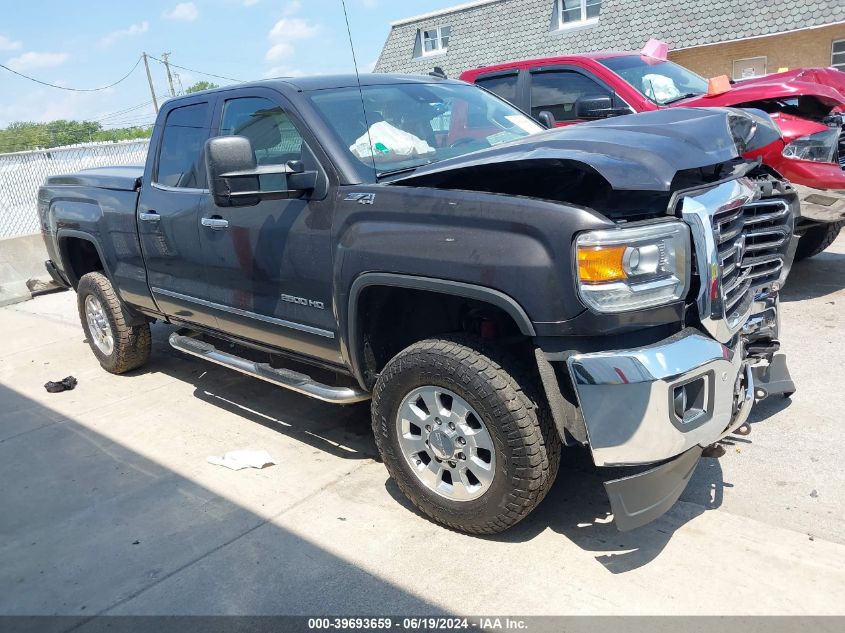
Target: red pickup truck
{"type": "Point", "coordinates": [807, 104]}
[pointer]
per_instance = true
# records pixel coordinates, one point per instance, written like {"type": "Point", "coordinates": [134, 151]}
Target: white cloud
{"type": "Point", "coordinates": [134, 29]}
{"type": "Point", "coordinates": [287, 30]}
{"type": "Point", "coordinates": [184, 11]}
{"type": "Point", "coordinates": [279, 51]}
{"type": "Point", "coordinates": [31, 60]}
{"type": "Point", "coordinates": [250, 3]}
{"type": "Point", "coordinates": [283, 71]}
{"type": "Point", "coordinates": [9, 45]}
{"type": "Point", "coordinates": [369, 4]}
{"type": "Point", "coordinates": [293, 29]}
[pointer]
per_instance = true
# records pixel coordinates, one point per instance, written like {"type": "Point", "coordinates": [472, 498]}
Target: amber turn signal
{"type": "Point", "coordinates": [601, 264]}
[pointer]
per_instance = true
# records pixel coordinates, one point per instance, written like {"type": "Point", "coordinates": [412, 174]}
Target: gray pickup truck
{"type": "Point", "coordinates": [498, 290]}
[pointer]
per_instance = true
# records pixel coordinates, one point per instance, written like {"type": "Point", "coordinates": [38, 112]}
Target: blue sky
{"type": "Point", "coordinates": [93, 43]}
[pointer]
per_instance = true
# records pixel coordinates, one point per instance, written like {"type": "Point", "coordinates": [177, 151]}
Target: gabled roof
{"type": "Point", "coordinates": [491, 31]}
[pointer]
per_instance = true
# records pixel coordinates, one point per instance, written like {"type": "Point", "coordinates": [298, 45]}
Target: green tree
{"type": "Point", "coordinates": [200, 85]}
{"type": "Point", "coordinates": [24, 135]}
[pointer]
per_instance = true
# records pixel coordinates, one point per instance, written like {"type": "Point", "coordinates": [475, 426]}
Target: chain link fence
{"type": "Point", "coordinates": [22, 173]}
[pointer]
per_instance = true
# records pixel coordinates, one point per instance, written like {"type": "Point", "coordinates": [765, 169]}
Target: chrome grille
{"type": "Point", "coordinates": [751, 242]}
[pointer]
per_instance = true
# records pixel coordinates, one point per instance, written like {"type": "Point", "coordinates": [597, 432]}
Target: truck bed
{"type": "Point", "coordinates": [116, 178]}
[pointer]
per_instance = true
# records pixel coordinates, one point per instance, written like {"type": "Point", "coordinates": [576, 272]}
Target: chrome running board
{"type": "Point", "coordinates": [282, 377]}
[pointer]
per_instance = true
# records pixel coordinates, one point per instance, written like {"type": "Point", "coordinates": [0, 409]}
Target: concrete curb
{"type": "Point", "coordinates": [22, 272]}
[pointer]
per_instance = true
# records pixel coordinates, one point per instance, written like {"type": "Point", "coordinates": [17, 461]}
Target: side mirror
{"type": "Point", "coordinates": [546, 119]}
{"type": "Point", "coordinates": [235, 179]}
{"type": "Point", "coordinates": [597, 106]}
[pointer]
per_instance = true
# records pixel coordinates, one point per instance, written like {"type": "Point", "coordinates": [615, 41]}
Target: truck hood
{"type": "Point", "coordinates": [827, 84]}
{"type": "Point", "coordinates": [635, 152]}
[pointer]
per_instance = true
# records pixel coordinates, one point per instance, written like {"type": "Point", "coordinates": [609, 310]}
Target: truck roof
{"type": "Point", "coordinates": [323, 82]}
{"type": "Point", "coordinates": [543, 61]}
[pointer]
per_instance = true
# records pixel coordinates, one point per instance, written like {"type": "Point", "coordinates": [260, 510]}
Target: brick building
{"type": "Point", "coordinates": [712, 37]}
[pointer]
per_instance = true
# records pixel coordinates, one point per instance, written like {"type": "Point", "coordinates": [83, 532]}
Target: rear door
{"type": "Point", "coordinates": [174, 198]}
{"type": "Point", "coordinates": [270, 264]}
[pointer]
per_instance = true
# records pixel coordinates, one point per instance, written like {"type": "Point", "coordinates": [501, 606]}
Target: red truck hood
{"type": "Point", "coordinates": [827, 84]}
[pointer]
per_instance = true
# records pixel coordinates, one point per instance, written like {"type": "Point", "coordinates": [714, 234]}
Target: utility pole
{"type": "Point", "coordinates": [164, 57]}
{"type": "Point", "coordinates": [150, 80]}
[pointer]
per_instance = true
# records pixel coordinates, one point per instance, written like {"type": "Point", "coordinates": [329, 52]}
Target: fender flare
{"type": "Point", "coordinates": [132, 316]}
{"type": "Point", "coordinates": [443, 286]}
{"type": "Point", "coordinates": [61, 236]}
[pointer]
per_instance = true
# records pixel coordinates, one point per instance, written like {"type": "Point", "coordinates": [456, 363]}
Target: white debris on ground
{"type": "Point", "coordinates": [238, 460]}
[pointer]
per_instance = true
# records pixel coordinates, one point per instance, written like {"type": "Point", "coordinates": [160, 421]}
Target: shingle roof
{"type": "Point", "coordinates": [501, 30]}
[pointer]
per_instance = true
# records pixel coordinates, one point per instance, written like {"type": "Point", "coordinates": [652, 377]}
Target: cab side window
{"type": "Point", "coordinates": [180, 158]}
{"type": "Point", "coordinates": [501, 85]}
{"type": "Point", "coordinates": [556, 91]}
{"type": "Point", "coordinates": [275, 140]}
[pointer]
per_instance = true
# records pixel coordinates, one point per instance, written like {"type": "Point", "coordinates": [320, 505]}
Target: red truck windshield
{"type": "Point", "coordinates": [660, 81]}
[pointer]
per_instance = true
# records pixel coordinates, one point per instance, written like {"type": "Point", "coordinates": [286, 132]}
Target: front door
{"type": "Point", "coordinates": [557, 90]}
{"type": "Point", "coordinates": [174, 198]}
{"type": "Point", "coordinates": [270, 265]}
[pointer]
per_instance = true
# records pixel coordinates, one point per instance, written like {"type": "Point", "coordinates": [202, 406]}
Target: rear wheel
{"type": "Point", "coordinates": [465, 434]}
{"type": "Point", "coordinates": [817, 239]}
{"type": "Point", "coordinates": [118, 346]}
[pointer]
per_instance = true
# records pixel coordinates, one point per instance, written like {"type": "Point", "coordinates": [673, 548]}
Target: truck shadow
{"type": "Point", "coordinates": [814, 278]}
{"type": "Point", "coordinates": [91, 527]}
{"type": "Point", "coordinates": [576, 507]}
{"type": "Point", "coordinates": [342, 431]}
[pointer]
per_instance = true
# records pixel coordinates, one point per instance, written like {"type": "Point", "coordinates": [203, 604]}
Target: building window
{"type": "Point", "coordinates": [571, 13]}
{"type": "Point", "coordinates": [837, 55]}
{"type": "Point", "coordinates": [433, 41]}
{"type": "Point", "coordinates": [748, 68]}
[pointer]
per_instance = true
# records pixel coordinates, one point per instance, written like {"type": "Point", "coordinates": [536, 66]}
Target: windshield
{"type": "Point", "coordinates": [413, 124]}
{"type": "Point", "coordinates": [661, 81]}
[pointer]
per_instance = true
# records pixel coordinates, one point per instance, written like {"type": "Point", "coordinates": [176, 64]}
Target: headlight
{"type": "Point", "coordinates": [634, 267]}
{"type": "Point", "coordinates": [820, 147]}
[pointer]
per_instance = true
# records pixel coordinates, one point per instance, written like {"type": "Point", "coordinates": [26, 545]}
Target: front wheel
{"type": "Point", "coordinates": [465, 434]}
{"type": "Point", "coordinates": [816, 239]}
{"type": "Point", "coordinates": [118, 346]}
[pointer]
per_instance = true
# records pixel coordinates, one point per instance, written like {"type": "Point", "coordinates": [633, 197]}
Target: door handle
{"type": "Point", "coordinates": [149, 216]}
{"type": "Point", "coordinates": [215, 223]}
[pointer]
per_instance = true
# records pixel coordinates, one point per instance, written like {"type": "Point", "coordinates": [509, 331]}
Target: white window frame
{"type": "Point", "coordinates": [584, 21]}
{"type": "Point", "coordinates": [440, 49]}
{"type": "Point", "coordinates": [765, 59]}
{"type": "Point", "coordinates": [835, 52]}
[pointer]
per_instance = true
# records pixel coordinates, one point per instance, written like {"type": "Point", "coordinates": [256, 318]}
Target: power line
{"type": "Point", "coordinates": [44, 83]}
{"type": "Point", "coordinates": [193, 70]}
{"type": "Point", "coordinates": [120, 113]}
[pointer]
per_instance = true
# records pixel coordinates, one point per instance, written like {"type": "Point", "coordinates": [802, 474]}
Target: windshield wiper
{"type": "Point", "coordinates": [401, 170]}
{"type": "Point", "coordinates": [688, 95]}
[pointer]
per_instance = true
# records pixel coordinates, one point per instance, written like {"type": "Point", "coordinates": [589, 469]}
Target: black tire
{"type": "Point", "coordinates": [132, 344]}
{"type": "Point", "coordinates": [512, 407]}
{"type": "Point", "coordinates": [816, 239]}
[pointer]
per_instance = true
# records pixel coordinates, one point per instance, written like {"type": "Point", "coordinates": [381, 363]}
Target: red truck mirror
{"type": "Point", "coordinates": [235, 178]}
{"type": "Point", "coordinates": [597, 106]}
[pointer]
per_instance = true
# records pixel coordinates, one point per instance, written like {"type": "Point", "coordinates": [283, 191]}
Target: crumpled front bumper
{"type": "Point", "coordinates": [634, 414]}
{"type": "Point", "coordinates": [627, 397]}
